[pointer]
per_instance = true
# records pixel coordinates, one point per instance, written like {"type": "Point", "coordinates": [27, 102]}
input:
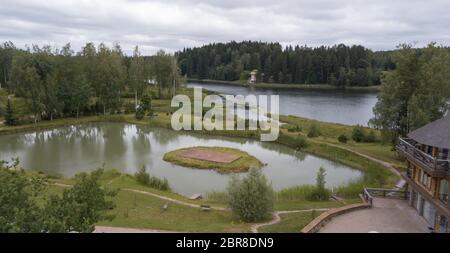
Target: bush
{"type": "Point", "coordinates": [154, 182]}
{"type": "Point", "coordinates": [293, 128]}
{"type": "Point", "coordinates": [139, 114]}
{"type": "Point", "coordinates": [320, 192]}
{"type": "Point", "coordinates": [371, 137]}
{"type": "Point", "coordinates": [314, 131]}
{"type": "Point", "coordinates": [358, 134]}
{"type": "Point", "coordinates": [252, 197]}
{"type": "Point", "coordinates": [342, 138]}
{"type": "Point", "coordinates": [300, 142]}
{"type": "Point", "coordinates": [142, 176]}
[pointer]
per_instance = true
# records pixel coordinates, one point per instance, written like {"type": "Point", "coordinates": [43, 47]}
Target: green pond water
{"type": "Point", "coordinates": [68, 150]}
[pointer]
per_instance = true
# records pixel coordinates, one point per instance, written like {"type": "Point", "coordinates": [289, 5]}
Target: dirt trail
{"type": "Point", "coordinates": [173, 200]}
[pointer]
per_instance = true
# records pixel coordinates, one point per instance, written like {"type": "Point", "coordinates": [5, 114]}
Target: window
{"type": "Point", "coordinates": [443, 191]}
{"type": "Point", "coordinates": [425, 179]}
{"type": "Point", "coordinates": [445, 154]}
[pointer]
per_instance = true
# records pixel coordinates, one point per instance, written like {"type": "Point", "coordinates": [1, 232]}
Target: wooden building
{"type": "Point", "coordinates": [253, 76]}
{"type": "Point", "coordinates": [428, 171]}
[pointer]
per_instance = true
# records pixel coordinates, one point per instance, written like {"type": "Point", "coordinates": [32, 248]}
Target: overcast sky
{"type": "Point", "coordinates": [174, 24]}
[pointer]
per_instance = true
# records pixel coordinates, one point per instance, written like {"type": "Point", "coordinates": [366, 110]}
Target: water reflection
{"type": "Point", "coordinates": [69, 150]}
{"type": "Point", "coordinates": [340, 106]}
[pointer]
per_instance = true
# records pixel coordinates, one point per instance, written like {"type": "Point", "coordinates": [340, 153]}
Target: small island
{"type": "Point", "coordinates": [221, 159]}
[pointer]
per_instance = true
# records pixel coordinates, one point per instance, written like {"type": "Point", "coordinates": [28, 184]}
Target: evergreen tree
{"type": "Point", "coordinates": [10, 118]}
{"type": "Point", "coordinates": [337, 65]}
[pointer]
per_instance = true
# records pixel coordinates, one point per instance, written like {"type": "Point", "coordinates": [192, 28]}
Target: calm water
{"type": "Point", "coordinates": [346, 107]}
{"type": "Point", "coordinates": [69, 150]}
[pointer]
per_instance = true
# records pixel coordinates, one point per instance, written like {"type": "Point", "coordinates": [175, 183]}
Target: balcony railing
{"type": "Point", "coordinates": [405, 146]}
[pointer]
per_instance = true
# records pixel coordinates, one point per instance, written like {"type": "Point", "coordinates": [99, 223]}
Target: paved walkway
{"type": "Point", "coordinates": [386, 216]}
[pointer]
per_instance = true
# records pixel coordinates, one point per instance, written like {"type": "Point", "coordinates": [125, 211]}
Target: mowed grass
{"type": "Point", "coordinates": [291, 222]}
{"type": "Point", "coordinates": [140, 210]}
{"type": "Point", "coordinates": [243, 163]}
{"type": "Point", "coordinates": [137, 210]}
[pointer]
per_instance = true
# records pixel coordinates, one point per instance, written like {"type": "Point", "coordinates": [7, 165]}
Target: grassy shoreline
{"type": "Point", "coordinates": [373, 171]}
{"type": "Point", "coordinates": [143, 211]}
{"type": "Point", "coordinates": [374, 88]}
{"type": "Point", "coordinates": [242, 164]}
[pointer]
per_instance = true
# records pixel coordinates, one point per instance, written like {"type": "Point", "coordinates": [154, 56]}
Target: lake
{"type": "Point", "coordinates": [66, 151]}
{"type": "Point", "coordinates": [339, 106]}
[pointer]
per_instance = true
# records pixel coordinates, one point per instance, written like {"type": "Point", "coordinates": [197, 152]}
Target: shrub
{"type": "Point", "coordinates": [320, 192]}
{"type": "Point", "coordinates": [371, 137]}
{"type": "Point", "coordinates": [342, 138]}
{"type": "Point", "coordinates": [293, 128]}
{"type": "Point", "coordinates": [358, 134]}
{"type": "Point", "coordinates": [158, 183]}
{"type": "Point", "coordinates": [252, 197]}
{"type": "Point", "coordinates": [314, 131]}
{"type": "Point", "coordinates": [300, 142]}
{"type": "Point", "coordinates": [154, 182]}
{"type": "Point", "coordinates": [142, 176]}
{"type": "Point", "coordinates": [139, 114]}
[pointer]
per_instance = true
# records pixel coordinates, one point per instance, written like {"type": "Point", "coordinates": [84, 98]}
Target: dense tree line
{"type": "Point", "coordinates": [338, 65]}
{"type": "Point", "coordinates": [60, 82]}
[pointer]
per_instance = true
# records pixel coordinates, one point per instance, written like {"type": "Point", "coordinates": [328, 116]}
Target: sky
{"type": "Point", "coordinates": [172, 25]}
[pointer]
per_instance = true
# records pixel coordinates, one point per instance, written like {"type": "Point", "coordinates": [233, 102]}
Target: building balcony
{"type": "Point", "coordinates": [435, 167]}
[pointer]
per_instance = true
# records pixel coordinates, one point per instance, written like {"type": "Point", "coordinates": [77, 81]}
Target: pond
{"type": "Point", "coordinates": [66, 151]}
{"type": "Point", "coordinates": [335, 105]}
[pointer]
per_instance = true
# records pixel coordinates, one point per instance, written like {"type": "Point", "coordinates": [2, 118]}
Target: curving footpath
{"type": "Point", "coordinates": [276, 218]}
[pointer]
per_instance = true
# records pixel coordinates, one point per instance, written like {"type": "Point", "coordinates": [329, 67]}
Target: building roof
{"type": "Point", "coordinates": [436, 133]}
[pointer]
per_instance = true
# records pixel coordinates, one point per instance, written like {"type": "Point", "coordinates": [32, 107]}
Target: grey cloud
{"type": "Point", "coordinates": [173, 25]}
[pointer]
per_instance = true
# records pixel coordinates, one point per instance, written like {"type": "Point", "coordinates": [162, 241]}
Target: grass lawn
{"type": "Point", "coordinates": [243, 163]}
{"type": "Point", "coordinates": [291, 222]}
{"type": "Point", "coordinates": [136, 210]}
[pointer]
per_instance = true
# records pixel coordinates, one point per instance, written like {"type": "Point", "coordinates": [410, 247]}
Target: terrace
{"type": "Point", "coordinates": [434, 166]}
